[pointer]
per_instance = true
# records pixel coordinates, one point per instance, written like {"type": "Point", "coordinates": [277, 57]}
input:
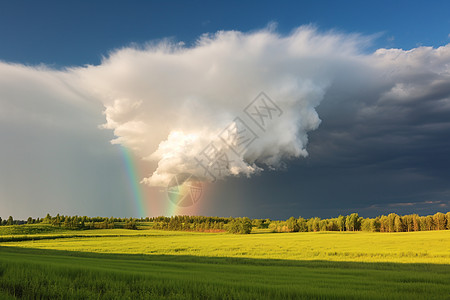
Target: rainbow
{"type": "Point", "coordinates": [133, 181]}
{"type": "Point", "coordinates": [151, 201]}
{"type": "Point", "coordinates": [172, 209]}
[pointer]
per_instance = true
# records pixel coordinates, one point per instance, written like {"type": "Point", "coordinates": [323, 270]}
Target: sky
{"type": "Point", "coordinates": [101, 104]}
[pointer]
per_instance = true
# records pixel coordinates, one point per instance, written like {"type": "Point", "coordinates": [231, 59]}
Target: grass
{"type": "Point", "coordinates": [413, 247]}
{"type": "Point", "coordinates": [51, 274]}
{"type": "Point", "coordinates": [53, 263]}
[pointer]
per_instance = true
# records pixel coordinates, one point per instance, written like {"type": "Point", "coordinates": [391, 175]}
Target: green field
{"type": "Point", "coordinates": [135, 264]}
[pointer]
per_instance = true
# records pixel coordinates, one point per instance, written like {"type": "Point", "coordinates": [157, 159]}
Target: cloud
{"type": "Point", "coordinates": [42, 96]}
{"type": "Point", "coordinates": [404, 110]}
{"type": "Point", "coordinates": [168, 102]}
{"type": "Point", "coordinates": [53, 157]}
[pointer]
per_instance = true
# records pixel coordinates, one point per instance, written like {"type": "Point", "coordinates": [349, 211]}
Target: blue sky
{"type": "Point", "coordinates": [376, 150]}
{"type": "Point", "coordinates": [81, 32]}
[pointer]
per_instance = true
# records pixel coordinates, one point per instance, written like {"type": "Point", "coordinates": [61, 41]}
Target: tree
{"type": "Point", "coordinates": [75, 222]}
{"type": "Point", "coordinates": [30, 220]}
{"type": "Point", "coordinates": [302, 225]}
{"type": "Point", "coordinates": [384, 227]}
{"type": "Point", "coordinates": [341, 223]}
{"type": "Point", "coordinates": [350, 222]}
{"type": "Point", "coordinates": [366, 224]}
{"type": "Point", "coordinates": [309, 224]}
{"type": "Point", "coordinates": [416, 222]}
{"type": "Point", "coordinates": [273, 226]}
{"type": "Point", "coordinates": [323, 225]}
{"type": "Point", "coordinates": [10, 221]}
{"type": "Point", "coordinates": [429, 223]}
{"type": "Point", "coordinates": [257, 223]}
{"type": "Point", "coordinates": [1, 221]}
{"type": "Point", "coordinates": [423, 223]}
{"type": "Point", "coordinates": [408, 224]}
{"type": "Point", "coordinates": [447, 216]}
{"type": "Point", "coordinates": [240, 225]}
{"type": "Point", "coordinates": [332, 225]}
{"type": "Point", "coordinates": [233, 226]}
{"type": "Point", "coordinates": [56, 221]}
{"type": "Point", "coordinates": [353, 222]}
{"type": "Point", "coordinates": [375, 224]}
{"type": "Point", "coordinates": [292, 225]}
{"type": "Point", "coordinates": [391, 222]}
{"type": "Point", "coordinates": [47, 218]}
{"type": "Point", "coordinates": [440, 221]}
{"type": "Point", "coordinates": [315, 224]}
{"type": "Point", "coordinates": [398, 224]}
{"type": "Point", "coordinates": [131, 225]}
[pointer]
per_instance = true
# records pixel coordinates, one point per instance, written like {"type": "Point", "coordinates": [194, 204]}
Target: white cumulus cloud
{"type": "Point", "coordinates": [169, 102]}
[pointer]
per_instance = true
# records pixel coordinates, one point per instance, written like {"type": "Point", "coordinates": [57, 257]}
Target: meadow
{"type": "Point", "coordinates": [38, 263]}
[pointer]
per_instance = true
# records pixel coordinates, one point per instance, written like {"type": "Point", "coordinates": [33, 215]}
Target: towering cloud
{"type": "Point", "coordinates": [171, 103]}
{"type": "Point", "coordinates": [199, 109]}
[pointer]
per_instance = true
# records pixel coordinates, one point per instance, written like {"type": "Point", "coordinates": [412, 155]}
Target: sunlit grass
{"type": "Point", "coordinates": [49, 274]}
{"type": "Point", "coordinates": [155, 264]}
{"type": "Point", "coordinates": [413, 247]}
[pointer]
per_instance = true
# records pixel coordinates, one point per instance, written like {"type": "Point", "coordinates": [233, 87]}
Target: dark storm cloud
{"type": "Point", "coordinates": [383, 146]}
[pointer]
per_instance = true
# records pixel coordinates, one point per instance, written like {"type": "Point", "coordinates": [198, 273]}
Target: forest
{"type": "Point", "coordinates": [353, 222]}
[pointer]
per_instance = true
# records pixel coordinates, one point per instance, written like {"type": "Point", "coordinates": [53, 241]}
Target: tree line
{"type": "Point", "coordinates": [77, 222]}
{"type": "Point", "coordinates": [203, 224]}
{"type": "Point", "coordinates": [352, 222]}
{"type": "Point", "coordinates": [185, 223]}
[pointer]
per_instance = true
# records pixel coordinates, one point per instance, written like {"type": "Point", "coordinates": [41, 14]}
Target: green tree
{"type": "Point", "coordinates": [366, 224]}
{"type": "Point", "coordinates": [10, 221]}
{"type": "Point", "coordinates": [408, 223]}
{"type": "Point", "coordinates": [47, 219]}
{"type": "Point", "coordinates": [292, 225]}
{"type": "Point", "coordinates": [447, 216]}
{"type": "Point", "coordinates": [429, 223]}
{"type": "Point", "coordinates": [353, 222]}
{"type": "Point", "coordinates": [246, 226]}
{"type": "Point", "coordinates": [257, 223]}
{"type": "Point", "coordinates": [416, 222]}
{"type": "Point", "coordinates": [130, 225]}
{"type": "Point", "coordinates": [440, 221]}
{"type": "Point", "coordinates": [240, 225]}
{"type": "Point", "coordinates": [384, 224]}
{"type": "Point", "coordinates": [341, 223]}
{"type": "Point", "coordinates": [391, 222]}
{"type": "Point", "coordinates": [233, 226]}
{"type": "Point", "coordinates": [316, 224]}
{"type": "Point", "coordinates": [323, 225]}
{"type": "Point", "coordinates": [333, 224]}
{"type": "Point", "coordinates": [302, 225]}
{"type": "Point", "coordinates": [398, 224]}
{"type": "Point", "coordinates": [375, 224]}
{"type": "Point", "coordinates": [75, 222]}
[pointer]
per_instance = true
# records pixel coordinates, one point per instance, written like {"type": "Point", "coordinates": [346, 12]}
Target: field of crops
{"type": "Point", "coordinates": [133, 264]}
{"type": "Point", "coordinates": [404, 247]}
